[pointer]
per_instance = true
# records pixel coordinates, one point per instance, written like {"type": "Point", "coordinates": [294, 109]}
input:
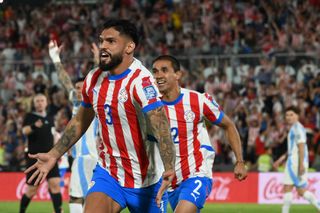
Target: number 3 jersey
{"type": "Point", "coordinates": [194, 153]}
{"type": "Point", "coordinates": [120, 103]}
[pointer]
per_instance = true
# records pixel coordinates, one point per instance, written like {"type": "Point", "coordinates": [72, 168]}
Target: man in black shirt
{"type": "Point", "coordinates": [38, 126]}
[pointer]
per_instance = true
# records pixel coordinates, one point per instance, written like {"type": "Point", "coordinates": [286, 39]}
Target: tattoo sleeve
{"type": "Point", "coordinates": [64, 77]}
{"type": "Point", "coordinates": [74, 130]}
{"type": "Point", "coordinates": [160, 129]}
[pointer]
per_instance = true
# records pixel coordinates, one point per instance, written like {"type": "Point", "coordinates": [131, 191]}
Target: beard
{"type": "Point", "coordinates": [115, 60]}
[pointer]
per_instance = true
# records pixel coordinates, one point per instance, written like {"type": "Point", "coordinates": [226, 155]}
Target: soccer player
{"type": "Point", "coordinates": [123, 95]}
{"type": "Point", "coordinates": [295, 173]}
{"type": "Point", "coordinates": [84, 153]}
{"type": "Point", "coordinates": [187, 110]}
{"type": "Point", "coordinates": [38, 127]}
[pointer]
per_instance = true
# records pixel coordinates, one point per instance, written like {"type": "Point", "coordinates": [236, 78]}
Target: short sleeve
{"type": "Point", "coordinates": [27, 120]}
{"type": "Point", "coordinates": [301, 135]}
{"type": "Point", "coordinates": [85, 97]}
{"type": "Point", "coordinates": [146, 93]}
{"type": "Point", "coordinates": [211, 109]}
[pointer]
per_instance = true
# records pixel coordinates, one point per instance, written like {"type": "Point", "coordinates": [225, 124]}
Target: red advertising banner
{"type": "Point", "coordinates": [227, 189]}
{"type": "Point", "coordinates": [271, 188]}
{"type": "Point", "coordinates": [13, 186]}
{"type": "Point", "coordinates": [257, 188]}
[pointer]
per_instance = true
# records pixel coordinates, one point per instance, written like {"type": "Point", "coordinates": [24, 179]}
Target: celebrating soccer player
{"type": "Point", "coordinates": [187, 111]}
{"type": "Point", "coordinates": [122, 93]}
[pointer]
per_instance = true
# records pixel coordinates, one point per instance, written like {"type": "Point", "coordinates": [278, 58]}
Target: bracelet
{"type": "Point", "coordinates": [239, 161]}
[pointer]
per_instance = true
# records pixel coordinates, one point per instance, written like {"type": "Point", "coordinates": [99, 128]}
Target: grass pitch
{"type": "Point", "coordinates": [46, 207]}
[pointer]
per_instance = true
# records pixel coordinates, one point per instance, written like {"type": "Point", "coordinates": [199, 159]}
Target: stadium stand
{"type": "Point", "coordinates": [255, 57]}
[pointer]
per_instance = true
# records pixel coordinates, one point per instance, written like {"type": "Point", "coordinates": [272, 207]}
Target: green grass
{"type": "Point", "coordinates": [46, 207]}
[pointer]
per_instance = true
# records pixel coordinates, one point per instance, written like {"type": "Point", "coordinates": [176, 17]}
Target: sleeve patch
{"type": "Point", "coordinates": [150, 92]}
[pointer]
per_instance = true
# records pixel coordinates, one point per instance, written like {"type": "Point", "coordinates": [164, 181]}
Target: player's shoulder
{"type": "Point", "coordinates": [92, 72]}
{"type": "Point", "coordinates": [299, 127]}
{"type": "Point", "coordinates": [139, 67]}
{"type": "Point", "coordinates": [190, 91]}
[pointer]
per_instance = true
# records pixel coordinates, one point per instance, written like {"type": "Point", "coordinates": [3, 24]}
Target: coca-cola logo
{"type": "Point", "coordinates": [220, 188]}
{"type": "Point", "coordinates": [42, 192]}
{"type": "Point", "coordinates": [273, 189]}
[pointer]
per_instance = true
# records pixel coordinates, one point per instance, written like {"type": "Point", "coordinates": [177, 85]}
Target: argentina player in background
{"type": "Point", "coordinates": [84, 153]}
{"type": "Point", "coordinates": [295, 173]}
{"type": "Point", "coordinates": [187, 111]}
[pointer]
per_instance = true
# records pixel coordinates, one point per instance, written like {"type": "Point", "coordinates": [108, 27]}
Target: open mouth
{"type": "Point", "coordinates": [104, 54]}
{"type": "Point", "coordinates": [161, 82]}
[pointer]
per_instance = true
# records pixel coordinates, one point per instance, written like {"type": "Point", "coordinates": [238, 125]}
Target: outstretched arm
{"type": "Point", "coordinates": [74, 130]}
{"type": "Point", "coordinates": [233, 137]}
{"type": "Point", "coordinates": [280, 161]}
{"type": "Point", "coordinates": [54, 52]}
{"type": "Point", "coordinates": [161, 131]}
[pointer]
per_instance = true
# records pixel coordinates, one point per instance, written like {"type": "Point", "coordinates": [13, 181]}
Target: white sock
{"type": "Point", "coordinates": [312, 199]}
{"type": "Point", "coordinates": [287, 198]}
{"type": "Point", "coordinates": [75, 207]}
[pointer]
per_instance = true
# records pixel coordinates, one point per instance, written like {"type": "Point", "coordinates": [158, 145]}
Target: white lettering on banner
{"type": "Point", "coordinates": [271, 188]}
{"type": "Point", "coordinates": [42, 192]}
{"type": "Point", "coordinates": [220, 188]}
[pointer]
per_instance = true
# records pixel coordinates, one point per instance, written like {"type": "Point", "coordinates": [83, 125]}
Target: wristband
{"type": "Point", "coordinates": [239, 161]}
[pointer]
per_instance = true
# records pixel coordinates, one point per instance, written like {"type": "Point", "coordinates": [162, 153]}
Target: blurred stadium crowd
{"type": "Point", "coordinates": [254, 90]}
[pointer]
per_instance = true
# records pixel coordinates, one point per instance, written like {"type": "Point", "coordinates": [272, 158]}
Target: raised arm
{"type": "Point", "coordinates": [235, 143]}
{"type": "Point", "coordinates": [161, 131]}
{"type": "Point", "coordinates": [74, 130]}
{"type": "Point", "coordinates": [54, 52]}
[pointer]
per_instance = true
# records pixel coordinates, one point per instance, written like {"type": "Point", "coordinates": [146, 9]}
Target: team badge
{"type": "Point", "coordinates": [189, 116]}
{"type": "Point", "coordinates": [148, 88]}
{"type": "Point", "coordinates": [123, 95]}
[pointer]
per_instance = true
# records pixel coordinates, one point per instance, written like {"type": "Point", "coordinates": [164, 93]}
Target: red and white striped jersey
{"type": "Point", "coordinates": [194, 153]}
{"type": "Point", "coordinates": [120, 103]}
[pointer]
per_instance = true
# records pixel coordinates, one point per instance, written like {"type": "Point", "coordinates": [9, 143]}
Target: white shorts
{"type": "Point", "coordinates": [81, 174]}
{"type": "Point", "coordinates": [291, 176]}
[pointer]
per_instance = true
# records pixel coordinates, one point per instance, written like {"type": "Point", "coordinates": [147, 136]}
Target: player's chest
{"type": "Point", "coordinates": [185, 113]}
{"type": "Point", "coordinates": [112, 98]}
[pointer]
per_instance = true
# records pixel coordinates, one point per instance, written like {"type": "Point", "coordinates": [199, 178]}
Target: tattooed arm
{"type": "Point", "coordinates": [160, 129]}
{"type": "Point", "coordinates": [74, 130]}
{"type": "Point", "coordinates": [64, 77]}
{"type": "Point", "coordinates": [54, 52]}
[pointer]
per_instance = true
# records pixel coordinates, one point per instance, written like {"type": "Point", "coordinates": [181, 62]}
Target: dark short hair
{"type": "Point", "coordinates": [175, 63]}
{"type": "Point", "coordinates": [294, 109]}
{"type": "Point", "coordinates": [124, 27]}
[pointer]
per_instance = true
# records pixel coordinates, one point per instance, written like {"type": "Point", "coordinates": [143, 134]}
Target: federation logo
{"type": "Point", "coordinates": [189, 116]}
{"type": "Point", "coordinates": [123, 95]}
{"type": "Point", "coordinates": [148, 88]}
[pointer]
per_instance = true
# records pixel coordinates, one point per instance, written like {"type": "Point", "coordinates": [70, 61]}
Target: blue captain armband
{"type": "Point", "coordinates": [152, 106]}
{"type": "Point", "coordinates": [219, 119]}
{"type": "Point", "coordinates": [86, 105]}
